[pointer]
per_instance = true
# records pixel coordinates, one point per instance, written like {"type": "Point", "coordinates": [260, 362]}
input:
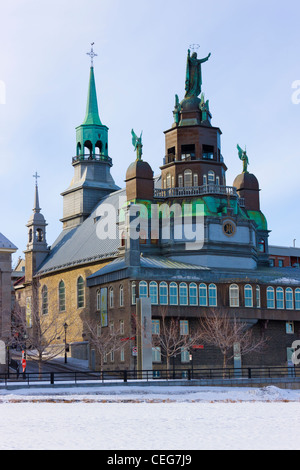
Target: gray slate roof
{"type": "Point", "coordinates": [81, 245]}
{"type": "Point", "coordinates": [6, 244]}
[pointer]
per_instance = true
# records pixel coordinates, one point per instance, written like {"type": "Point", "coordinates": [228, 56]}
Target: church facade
{"type": "Point", "coordinates": [182, 243]}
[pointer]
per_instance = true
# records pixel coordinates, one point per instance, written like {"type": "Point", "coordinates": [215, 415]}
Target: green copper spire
{"type": "Point", "coordinates": [92, 113]}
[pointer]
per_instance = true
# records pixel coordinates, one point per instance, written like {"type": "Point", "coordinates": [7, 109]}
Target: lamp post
{"type": "Point", "coordinates": [191, 360]}
{"type": "Point", "coordinates": [66, 327]}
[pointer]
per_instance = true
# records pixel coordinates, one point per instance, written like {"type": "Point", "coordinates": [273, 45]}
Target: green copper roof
{"type": "Point", "coordinates": [259, 218]}
{"type": "Point", "coordinates": [92, 114]}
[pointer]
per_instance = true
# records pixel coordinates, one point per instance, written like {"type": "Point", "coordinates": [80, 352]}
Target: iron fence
{"type": "Point", "coordinates": [75, 377]}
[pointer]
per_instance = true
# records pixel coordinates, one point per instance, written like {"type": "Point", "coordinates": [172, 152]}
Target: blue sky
{"type": "Point", "coordinates": [142, 47]}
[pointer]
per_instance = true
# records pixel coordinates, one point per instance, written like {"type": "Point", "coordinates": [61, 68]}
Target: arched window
{"type": "Point", "coordinates": [211, 177]}
{"type": "Point", "coordinates": [188, 178]}
{"type": "Point", "coordinates": [163, 293]}
{"type": "Point", "coordinates": [98, 299]}
{"type": "Point", "coordinates": [173, 293]}
{"type": "Point", "coordinates": [204, 179]}
{"type": "Point", "coordinates": [234, 300]}
{"type": "Point", "coordinates": [153, 291]}
{"type": "Point", "coordinates": [195, 179]}
{"type": "Point", "coordinates": [111, 297]}
{"type": "Point", "coordinates": [248, 295]}
{"type": "Point", "coordinates": [98, 147]}
{"type": "Point", "coordinates": [212, 295]}
{"type": "Point", "coordinates": [193, 291]}
{"type": "Point", "coordinates": [203, 295]}
{"type": "Point", "coordinates": [45, 300]}
{"type": "Point", "coordinates": [121, 296]}
{"type": "Point", "coordinates": [88, 148]}
{"type": "Point", "coordinates": [270, 297]}
{"type": "Point", "coordinates": [30, 236]}
{"type": "Point", "coordinates": [289, 299]}
{"type": "Point", "coordinates": [258, 297]}
{"type": "Point", "coordinates": [39, 236]}
{"type": "Point", "coordinates": [297, 299]}
{"type": "Point", "coordinates": [183, 294]}
{"type": "Point", "coordinates": [133, 293]}
{"type": "Point", "coordinates": [143, 290]}
{"type": "Point", "coordinates": [180, 181]}
{"type": "Point", "coordinates": [78, 148]}
{"type": "Point", "coordinates": [279, 298]}
{"type": "Point", "coordinates": [80, 292]}
{"type": "Point", "coordinates": [61, 296]}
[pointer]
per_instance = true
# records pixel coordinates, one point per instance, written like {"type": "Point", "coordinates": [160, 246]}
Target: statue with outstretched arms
{"type": "Point", "coordinates": [193, 79]}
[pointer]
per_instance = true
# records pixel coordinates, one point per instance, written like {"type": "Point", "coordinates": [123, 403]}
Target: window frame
{"type": "Point", "coordinates": [183, 287]}
{"type": "Point", "coordinates": [173, 296]}
{"type": "Point", "coordinates": [212, 288]}
{"type": "Point", "coordinates": [80, 290]}
{"type": "Point", "coordinates": [279, 301]}
{"type": "Point", "coordinates": [45, 300]}
{"type": "Point", "coordinates": [270, 300]}
{"type": "Point", "coordinates": [193, 286]}
{"type": "Point", "coordinates": [163, 285]}
{"type": "Point", "coordinates": [248, 296]}
{"type": "Point", "coordinates": [234, 295]}
{"type": "Point", "coordinates": [61, 296]}
{"type": "Point", "coordinates": [202, 298]}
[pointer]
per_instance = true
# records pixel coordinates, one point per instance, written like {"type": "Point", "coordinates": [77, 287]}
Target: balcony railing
{"type": "Point", "coordinates": [92, 157]}
{"type": "Point", "coordinates": [196, 191]}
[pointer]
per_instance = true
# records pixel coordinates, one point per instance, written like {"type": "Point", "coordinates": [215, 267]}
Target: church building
{"type": "Point", "coordinates": [200, 244]}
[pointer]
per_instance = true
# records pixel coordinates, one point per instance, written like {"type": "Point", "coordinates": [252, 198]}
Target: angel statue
{"type": "Point", "coordinates": [137, 143]}
{"type": "Point", "coordinates": [244, 158]}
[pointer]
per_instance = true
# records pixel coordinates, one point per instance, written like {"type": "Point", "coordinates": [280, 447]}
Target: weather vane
{"type": "Point", "coordinates": [36, 176]}
{"type": "Point", "coordinates": [92, 54]}
{"type": "Point", "coordinates": [194, 47]}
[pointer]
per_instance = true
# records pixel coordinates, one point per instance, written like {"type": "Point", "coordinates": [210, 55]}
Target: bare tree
{"type": "Point", "coordinates": [224, 331]}
{"type": "Point", "coordinates": [172, 340]}
{"type": "Point", "coordinates": [36, 330]}
{"type": "Point", "coordinates": [105, 340]}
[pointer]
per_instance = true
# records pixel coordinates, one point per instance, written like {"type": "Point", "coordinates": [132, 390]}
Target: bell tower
{"type": "Point", "coordinates": [193, 146]}
{"type": "Point", "coordinates": [92, 179]}
{"type": "Point", "coordinates": [37, 248]}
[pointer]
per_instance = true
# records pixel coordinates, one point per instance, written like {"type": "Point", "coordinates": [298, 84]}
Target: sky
{"type": "Point", "coordinates": [142, 47]}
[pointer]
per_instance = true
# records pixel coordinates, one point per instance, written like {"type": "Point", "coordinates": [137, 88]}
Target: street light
{"type": "Point", "coordinates": [191, 360]}
{"type": "Point", "coordinates": [65, 327]}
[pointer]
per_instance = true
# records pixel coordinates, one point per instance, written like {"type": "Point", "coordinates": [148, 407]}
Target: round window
{"type": "Point", "coordinates": [229, 228]}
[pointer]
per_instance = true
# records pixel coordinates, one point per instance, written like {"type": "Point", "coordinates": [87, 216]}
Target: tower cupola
{"type": "Point", "coordinates": [92, 178]}
{"type": "Point", "coordinates": [37, 248]}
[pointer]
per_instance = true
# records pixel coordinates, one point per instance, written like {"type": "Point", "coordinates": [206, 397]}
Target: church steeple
{"type": "Point", "coordinates": [37, 248]}
{"type": "Point", "coordinates": [92, 179]}
{"type": "Point", "coordinates": [92, 113]}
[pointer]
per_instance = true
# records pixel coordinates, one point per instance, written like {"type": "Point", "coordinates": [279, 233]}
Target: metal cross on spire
{"type": "Point", "coordinates": [92, 54]}
{"type": "Point", "coordinates": [36, 176]}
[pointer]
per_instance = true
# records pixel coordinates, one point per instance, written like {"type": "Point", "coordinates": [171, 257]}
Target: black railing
{"type": "Point", "coordinates": [92, 157]}
{"type": "Point", "coordinates": [73, 377]}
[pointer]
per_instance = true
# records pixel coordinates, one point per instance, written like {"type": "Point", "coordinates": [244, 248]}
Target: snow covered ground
{"type": "Point", "coordinates": [150, 418]}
